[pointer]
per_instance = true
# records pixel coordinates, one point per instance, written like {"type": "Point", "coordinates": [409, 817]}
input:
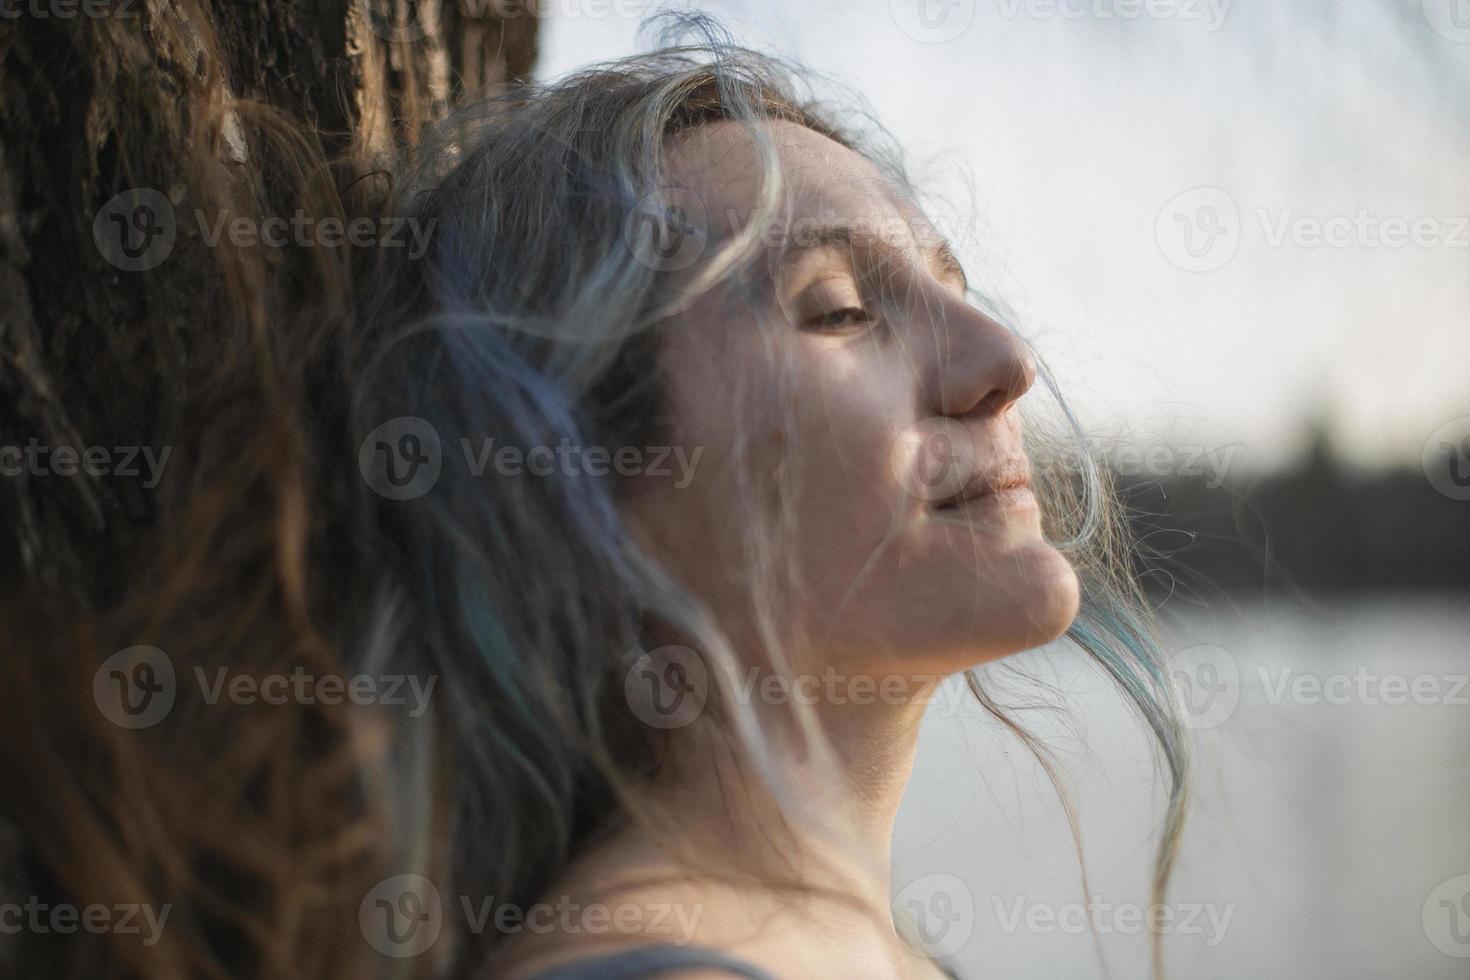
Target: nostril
{"type": "Point", "coordinates": [995, 402]}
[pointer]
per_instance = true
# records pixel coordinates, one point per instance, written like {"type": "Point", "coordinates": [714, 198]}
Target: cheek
{"type": "Point", "coordinates": [847, 498]}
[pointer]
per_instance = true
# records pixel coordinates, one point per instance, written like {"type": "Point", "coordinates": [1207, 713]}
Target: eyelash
{"type": "Point", "coordinates": [847, 317]}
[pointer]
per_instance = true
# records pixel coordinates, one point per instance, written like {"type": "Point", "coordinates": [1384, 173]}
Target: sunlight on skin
{"type": "Point", "coordinates": [824, 379]}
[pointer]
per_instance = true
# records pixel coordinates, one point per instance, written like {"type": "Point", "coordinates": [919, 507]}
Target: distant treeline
{"type": "Point", "coordinates": [1319, 526]}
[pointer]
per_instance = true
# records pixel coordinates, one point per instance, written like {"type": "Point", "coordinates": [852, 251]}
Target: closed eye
{"type": "Point", "coordinates": [846, 318]}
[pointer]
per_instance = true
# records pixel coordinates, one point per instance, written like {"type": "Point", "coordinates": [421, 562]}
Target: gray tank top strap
{"type": "Point", "coordinates": [651, 961]}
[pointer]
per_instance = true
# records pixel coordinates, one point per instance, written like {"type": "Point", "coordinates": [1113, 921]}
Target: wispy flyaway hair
{"type": "Point", "coordinates": [333, 516]}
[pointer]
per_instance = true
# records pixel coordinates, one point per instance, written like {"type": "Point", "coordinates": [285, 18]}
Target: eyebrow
{"type": "Point", "coordinates": [937, 251]}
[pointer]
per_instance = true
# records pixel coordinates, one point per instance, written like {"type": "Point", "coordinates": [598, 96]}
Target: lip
{"type": "Point", "coordinates": [1007, 498]}
{"type": "Point", "coordinates": [1003, 486]}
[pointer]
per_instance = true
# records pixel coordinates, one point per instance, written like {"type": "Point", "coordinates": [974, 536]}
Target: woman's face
{"type": "Point", "coordinates": [852, 383]}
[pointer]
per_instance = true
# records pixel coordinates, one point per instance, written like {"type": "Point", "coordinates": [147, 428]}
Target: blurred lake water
{"type": "Point", "coordinates": [1330, 822]}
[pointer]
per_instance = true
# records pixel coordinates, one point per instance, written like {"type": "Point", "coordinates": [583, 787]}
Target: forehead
{"type": "Point", "coordinates": [824, 182]}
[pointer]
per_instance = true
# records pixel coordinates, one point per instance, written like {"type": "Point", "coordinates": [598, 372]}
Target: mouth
{"type": "Point", "coordinates": [1002, 487]}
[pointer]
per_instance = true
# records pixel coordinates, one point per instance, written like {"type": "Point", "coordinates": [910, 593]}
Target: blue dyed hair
{"type": "Point", "coordinates": [530, 320]}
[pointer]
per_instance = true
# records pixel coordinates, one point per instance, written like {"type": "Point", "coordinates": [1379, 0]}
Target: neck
{"type": "Point", "coordinates": [827, 827]}
{"type": "Point", "coordinates": [833, 806]}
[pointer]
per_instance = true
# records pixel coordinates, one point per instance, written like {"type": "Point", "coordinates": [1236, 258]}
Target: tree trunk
{"type": "Point", "coordinates": [105, 325]}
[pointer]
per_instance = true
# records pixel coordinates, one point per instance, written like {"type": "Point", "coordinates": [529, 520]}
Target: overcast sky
{"type": "Point", "coordinates": [1214, 219]}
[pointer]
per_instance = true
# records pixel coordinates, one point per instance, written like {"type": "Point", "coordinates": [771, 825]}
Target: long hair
{"type": "Point", "coordinates": [331, 518]}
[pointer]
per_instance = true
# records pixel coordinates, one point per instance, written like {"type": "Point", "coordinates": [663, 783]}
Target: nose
{"type": "Point", "coordinates": [979, 367]}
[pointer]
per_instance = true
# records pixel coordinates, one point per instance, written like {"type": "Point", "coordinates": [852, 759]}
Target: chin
{"type": "Point", "coordinates": [1028, 597]}
{"type": "Point", "coordinates": [947, 615]}
{"type": "Point", "coordinates": [1054, 595]}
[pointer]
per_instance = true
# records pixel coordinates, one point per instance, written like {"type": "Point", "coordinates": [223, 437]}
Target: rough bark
{"type": "Point", "coordinates": [98, 97]}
